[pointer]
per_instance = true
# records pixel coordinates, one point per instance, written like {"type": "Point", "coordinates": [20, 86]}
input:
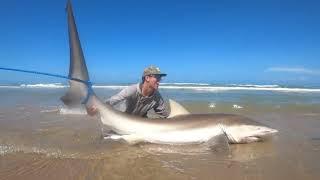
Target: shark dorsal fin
{"type": "Point", "coordinates": [176, 109]}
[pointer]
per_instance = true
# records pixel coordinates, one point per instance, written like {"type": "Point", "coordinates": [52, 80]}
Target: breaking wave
{"type": "Point", "coordinates": [222, 88]}
{"type": "Point", "coordinates": [74, 111]}
{"type": "Point", "coordinates": [254, 85]}
{"type": "Point", "coordinates": [52, 85]}
{"type": "Point", "coordinates": [183, 86]}
{"type": "Point", "coordinates": [195, 84]}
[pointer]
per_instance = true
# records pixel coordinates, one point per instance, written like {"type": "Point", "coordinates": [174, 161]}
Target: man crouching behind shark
{"type": "Point", "coordinates": [180, 129]}
{"type": "Point", "coordinates": [142, 97]}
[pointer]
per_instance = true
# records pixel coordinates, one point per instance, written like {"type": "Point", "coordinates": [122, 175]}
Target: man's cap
{"type": "Point", "coordinates": [152, 70]}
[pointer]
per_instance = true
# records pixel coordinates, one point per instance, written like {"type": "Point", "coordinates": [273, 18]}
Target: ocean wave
{"type": "Point", "coordinates": [51, 85]}
{"type": "Point", "coordinates": [7, 149]}
{"type": "Point", "coordinates": [255, 85]}
{"type": "Point", "coordinates": [219, 88]}
{"type": "Point", "coordinates": [226, 88]}
{"type": "Point", "coordinates": [110, 86]}
{"type": "Point", "coordinates": [8, 86]}
{"type": "Point", "coordinates": [73, 111]}
{"type": "Point", "coordinates": [196, 84]}
{"type": "Point", "coordinates": [182, 86]}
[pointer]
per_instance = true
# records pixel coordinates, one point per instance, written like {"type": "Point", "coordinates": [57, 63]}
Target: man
{"type": "Point", "coordinates": [142, 97]}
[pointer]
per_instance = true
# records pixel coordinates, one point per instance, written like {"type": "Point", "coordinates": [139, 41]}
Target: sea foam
{"type": "Point", "coordinates": [51, 85]}
{"type": "Point", "coordinates": [183, 86]}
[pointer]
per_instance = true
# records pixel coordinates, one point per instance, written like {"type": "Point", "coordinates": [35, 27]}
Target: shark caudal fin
{"type": "Point", "coordinates": [79, 86]}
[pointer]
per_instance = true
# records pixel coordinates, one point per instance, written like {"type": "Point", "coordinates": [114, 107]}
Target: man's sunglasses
{"type": "Point", "coordinates": [158, 77]}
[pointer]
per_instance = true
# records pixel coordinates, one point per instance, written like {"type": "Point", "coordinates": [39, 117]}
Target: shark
{"type": "Point", "coordinates": [182, 127]}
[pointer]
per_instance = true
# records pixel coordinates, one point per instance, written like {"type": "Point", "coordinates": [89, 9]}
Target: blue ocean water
{"type": "Point", "coordinates": [233, 95]}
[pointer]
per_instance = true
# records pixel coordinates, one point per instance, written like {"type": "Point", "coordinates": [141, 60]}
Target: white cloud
{"type": "Point", "coordinates": [294, 70]}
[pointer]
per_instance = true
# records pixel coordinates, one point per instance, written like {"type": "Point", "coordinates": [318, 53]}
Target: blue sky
{"type": "Point", "coordinates": [245, 41]}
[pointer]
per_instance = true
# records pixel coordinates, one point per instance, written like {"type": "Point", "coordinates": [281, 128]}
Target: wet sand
{"type": "Point", "coordinates": [38, 144]}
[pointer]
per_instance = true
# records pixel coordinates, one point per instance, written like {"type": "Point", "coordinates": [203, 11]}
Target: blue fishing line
{"type": "Point", "coordinates": [88, 83]}
{"type": "Point", "coordinates": [47, 74]}
{"type": "Point", "coordinates": [90, 91]}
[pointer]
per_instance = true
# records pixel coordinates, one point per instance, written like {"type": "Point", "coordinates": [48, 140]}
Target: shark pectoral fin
{"type": "Point", "coordinates": [219, 143]}
{"type": "Point", "coordinates": [176, 109]}
{"type": "Point", "coordinates": [113, 137]}
{"type": "Point", "coordinates": [133, 138]}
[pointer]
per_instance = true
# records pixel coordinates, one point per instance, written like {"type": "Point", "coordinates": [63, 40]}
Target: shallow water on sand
{"type": "Point", "coordinates": [36, 142]}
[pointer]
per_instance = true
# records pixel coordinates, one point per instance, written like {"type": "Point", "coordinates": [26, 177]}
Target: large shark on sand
{"type": "Point", "coordinates": [179, 129]}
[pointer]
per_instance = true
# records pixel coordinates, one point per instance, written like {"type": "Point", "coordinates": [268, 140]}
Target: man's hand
{"type": "Point", "coordinates": [92, 110]}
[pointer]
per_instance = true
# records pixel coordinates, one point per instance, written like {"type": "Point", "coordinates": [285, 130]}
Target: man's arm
{"type": "Point", "coordinates": [122, 95]}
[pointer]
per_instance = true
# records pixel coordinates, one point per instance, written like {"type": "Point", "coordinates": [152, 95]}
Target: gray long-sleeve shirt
{"type": "Point", "coordinates": [137, 104]}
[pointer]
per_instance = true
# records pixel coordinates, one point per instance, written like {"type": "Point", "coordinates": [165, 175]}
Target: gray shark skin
{"type": "Point", "coordinates": [180, 129]}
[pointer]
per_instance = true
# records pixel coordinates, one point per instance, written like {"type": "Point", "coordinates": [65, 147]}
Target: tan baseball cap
{"type": "Point", "coordinates": [152, 70]}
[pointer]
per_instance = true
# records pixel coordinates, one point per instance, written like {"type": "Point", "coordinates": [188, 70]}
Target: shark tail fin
{"type": "Point", "coordinates": [80, 86]}
{"type": "Point", "coordinates": [176, 109]}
